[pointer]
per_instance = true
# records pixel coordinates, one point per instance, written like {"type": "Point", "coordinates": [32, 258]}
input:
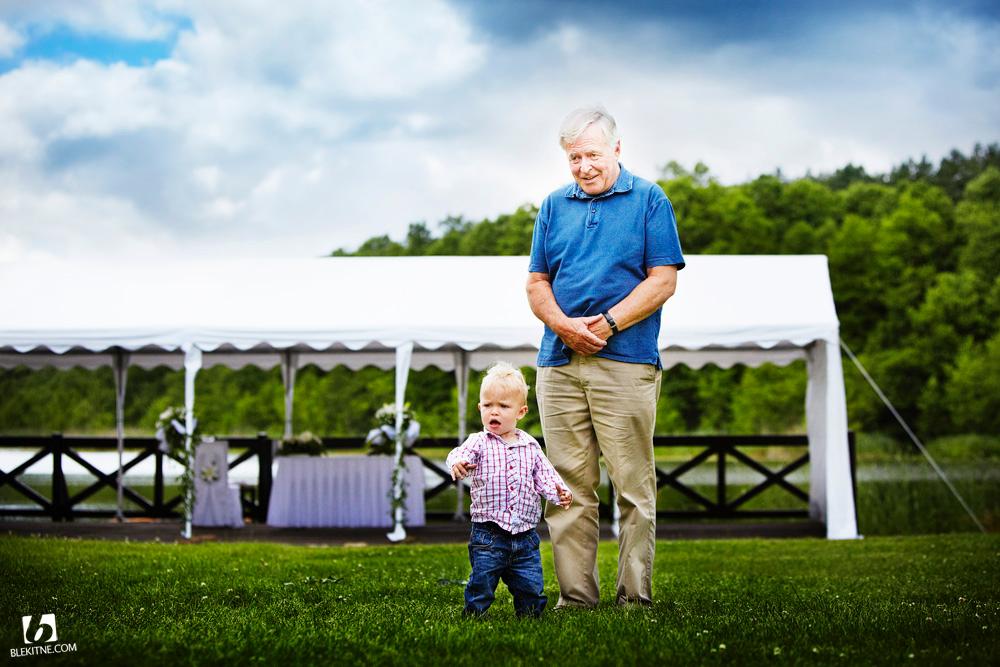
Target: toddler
{"type": "Point", "coordinates": [508, 472]}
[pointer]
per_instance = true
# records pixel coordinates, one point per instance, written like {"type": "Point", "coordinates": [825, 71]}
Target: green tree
{"type": "Point", "coordinates": [846, 176]}
{"type": "Point", "coordinates": [869, 200]}
{"type": "Point", "coordinates": [380, 246]}
{"type": "Point", "coordinates": [418, 239]}
{"type": "Point", "coordinates": [953, 315]}
{"type": "Point", "coordinates": [770, 399]}
{"type": "Point", "coordinates": [454, 230]}
{"type": "Point", "coordinates": [973, 390]}
{"type": "Point", "coordinates": [978, 221]}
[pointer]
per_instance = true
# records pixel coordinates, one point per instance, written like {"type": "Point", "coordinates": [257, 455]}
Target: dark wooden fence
{"type": "Point", "coordinates": [59, 505]}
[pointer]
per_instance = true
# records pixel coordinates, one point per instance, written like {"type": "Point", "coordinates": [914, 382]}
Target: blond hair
{"type": "Point", "coordinates": [506, 378]}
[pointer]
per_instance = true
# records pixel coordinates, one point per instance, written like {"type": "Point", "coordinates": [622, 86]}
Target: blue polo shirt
{"type": "Point", "coordinates": [596, 249]}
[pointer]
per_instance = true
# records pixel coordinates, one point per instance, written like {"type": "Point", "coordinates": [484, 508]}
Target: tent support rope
{"type": "Point", "coordinates": [913, 436]}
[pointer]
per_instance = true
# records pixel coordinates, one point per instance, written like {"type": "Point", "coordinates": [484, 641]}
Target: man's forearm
{"type": "Point", "coordinates": [544, 306]}
{"type": "Point", "coordinates": [573, 331]}
{"type": "Point", "coordinates": [644, 299]}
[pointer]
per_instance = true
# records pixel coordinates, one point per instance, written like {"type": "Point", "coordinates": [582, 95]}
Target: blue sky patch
{"type": "Point", "coordinates": [63, 44]}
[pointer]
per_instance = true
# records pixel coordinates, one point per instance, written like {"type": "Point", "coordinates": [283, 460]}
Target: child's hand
{"type": "Point", "coordinates": [462, 469]}
{"type": "Point", "coordinates": [565, 497]}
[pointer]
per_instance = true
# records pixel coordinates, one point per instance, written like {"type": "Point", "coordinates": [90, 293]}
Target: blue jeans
{"type": "Point", "coordinates": [496, 554]}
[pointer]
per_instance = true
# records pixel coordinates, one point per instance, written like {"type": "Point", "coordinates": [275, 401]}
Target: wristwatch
{"type": "Point", "coordinates": [611, 323]}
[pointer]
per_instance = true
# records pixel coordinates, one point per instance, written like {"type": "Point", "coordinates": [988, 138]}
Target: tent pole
{"type": "Point", "coordinates": [289, 367]}
{"type": "Point", "coordinates": [462, 380]}
{"type": "Point", "coordinates": [120, 361]}
{"type": "Point", "coordinates": [192, 364]}
{"type": "Point", "coordinates": [404, 354]}
{"type": "Point", "coordinates": [831, 491]}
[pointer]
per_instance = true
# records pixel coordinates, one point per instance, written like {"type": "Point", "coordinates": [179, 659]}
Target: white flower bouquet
{"type": "Point", "coordinates": [381, 440]}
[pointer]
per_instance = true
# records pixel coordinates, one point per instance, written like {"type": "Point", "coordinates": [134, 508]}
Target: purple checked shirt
{"type": "Point", "coordinates": [507, 479]}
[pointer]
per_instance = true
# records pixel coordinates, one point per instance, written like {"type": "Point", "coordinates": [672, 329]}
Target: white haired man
{"type": "Point", "coordinates": [604, 260]}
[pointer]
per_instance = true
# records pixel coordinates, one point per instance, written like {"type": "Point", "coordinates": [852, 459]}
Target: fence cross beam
{"type": "Point", "coordinates": [25, 490]}
{"type": "Point", "coordinates": [771, 478]}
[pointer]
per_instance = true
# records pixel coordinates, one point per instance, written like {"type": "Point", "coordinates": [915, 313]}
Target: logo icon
{"type": "Point", "coordinates": [41, 631]}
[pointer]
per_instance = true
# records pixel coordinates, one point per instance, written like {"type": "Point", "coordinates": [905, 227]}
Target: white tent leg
{"type": "Point", "coordinates": [831, 492]}
{"type": "Point", "coordinates": [192, 364]}
{"type": "Point", "coordinates": [616, 514]}
{"type": "Point", "coordinates": [404, 353]}
{"type": "Point", "coordinates": [289, 367]}
{"type": "Point", "coordinates": [462, 380]}
{"type": "Point", "coordinates": [119, 362]}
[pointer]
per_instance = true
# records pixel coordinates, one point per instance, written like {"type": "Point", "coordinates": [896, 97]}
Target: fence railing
{"type": "Point", "coordinates": [729, 448]}
{"type": "Point", "coordinates": [60, 505]}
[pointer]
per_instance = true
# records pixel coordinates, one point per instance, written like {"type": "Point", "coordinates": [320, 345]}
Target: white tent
{"type": "Point", "coordinates": [451, 312]}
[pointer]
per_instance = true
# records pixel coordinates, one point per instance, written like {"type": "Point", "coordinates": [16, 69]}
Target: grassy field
{"type": "Point", "coordinates": [934, 599]}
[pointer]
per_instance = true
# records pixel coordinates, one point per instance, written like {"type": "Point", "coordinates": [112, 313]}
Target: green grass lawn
{"type": "Point", "coordinates": [879, 600]}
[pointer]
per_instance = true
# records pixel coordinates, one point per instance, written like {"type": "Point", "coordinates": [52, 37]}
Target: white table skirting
{"type": "Point", "coordinates": [342, 491]}
{"type": "Point", "coordinates": [216, 501]}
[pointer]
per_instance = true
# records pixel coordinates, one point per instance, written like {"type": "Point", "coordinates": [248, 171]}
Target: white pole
{"type": "Point", "coordinates": [462, 380]}
{"type": "Point", "coordinates": [616, 514]}
{"type": "Point", "coordinates": [831, 491]}
{"type": "Point", "coordinates": [289, 366]}
{"type": "Point", "coordinates": [192, 364]}
{"type": "Point", "coordinates": [404, 354]}
{"type": "Point", "coordinates": [120, 360]}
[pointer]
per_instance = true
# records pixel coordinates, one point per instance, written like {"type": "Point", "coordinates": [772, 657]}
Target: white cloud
{"type": "Point", "coordinates": [40, 221]}
{"type": "Point", "coordinates": [332, 51]}
{"type": "Point", "coordinates": [298, 131]}
{"type": "Point", "coordinates": [10, 41]}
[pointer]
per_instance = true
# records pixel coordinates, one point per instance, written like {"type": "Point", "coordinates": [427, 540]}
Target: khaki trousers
{"type": "Point", "coordinates": [589, 408]}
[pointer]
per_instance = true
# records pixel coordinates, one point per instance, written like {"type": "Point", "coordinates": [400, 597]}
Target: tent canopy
{"type": "Point", "coordinates": [357, 310]}
{"type": "Point", "coordinates": [452, 312]}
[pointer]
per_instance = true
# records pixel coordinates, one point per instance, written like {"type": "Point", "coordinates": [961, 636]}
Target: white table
{"type": "Point", "coordinates": [342, 491]}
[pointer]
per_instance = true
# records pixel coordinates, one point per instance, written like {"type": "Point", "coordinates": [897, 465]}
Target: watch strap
{"type": "Point", "coordinates": [611, 322]}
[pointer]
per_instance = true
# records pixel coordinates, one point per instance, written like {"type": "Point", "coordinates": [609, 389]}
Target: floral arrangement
{"type": "Point", "coordinates": [304, 444]}
{"type": "Point", "coordinates": [171, 431]}
{"type": "Point", "coordinates": [381, 440]}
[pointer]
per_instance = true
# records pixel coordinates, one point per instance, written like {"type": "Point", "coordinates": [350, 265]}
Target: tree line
{"type": "Point", "coordinates": [914, 259]}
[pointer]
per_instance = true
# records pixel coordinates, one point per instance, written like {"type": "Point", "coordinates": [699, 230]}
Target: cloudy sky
{"type": "Point", "coordinates": [260, 128]}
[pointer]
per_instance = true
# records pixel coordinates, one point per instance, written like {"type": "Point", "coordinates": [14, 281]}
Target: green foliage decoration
{"type": "Point", "coordinates": [303, 444]}
{"type": "Point", "coordinates": [171, 431]}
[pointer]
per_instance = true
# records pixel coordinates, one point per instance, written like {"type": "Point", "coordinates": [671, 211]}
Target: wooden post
{"type": "Point", "coordinates": [265, 456]}
{"type": "Point", "coordinates": [720, 479]}
{"type": "Point", "coordinates": [61, 510]}
{"type": "Point", "coordinates": [158, 508]}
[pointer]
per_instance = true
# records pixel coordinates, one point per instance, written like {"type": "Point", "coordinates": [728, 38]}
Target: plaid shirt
{"type": "Point", "coordinates": [507, 479]}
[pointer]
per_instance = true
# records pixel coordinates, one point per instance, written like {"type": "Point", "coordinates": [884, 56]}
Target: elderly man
{"type": "Point", "coordinates": [604, 259]}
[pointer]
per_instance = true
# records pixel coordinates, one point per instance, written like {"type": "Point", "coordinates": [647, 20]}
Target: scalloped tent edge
{"type": "Point", "coordinates": [457, 313]}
